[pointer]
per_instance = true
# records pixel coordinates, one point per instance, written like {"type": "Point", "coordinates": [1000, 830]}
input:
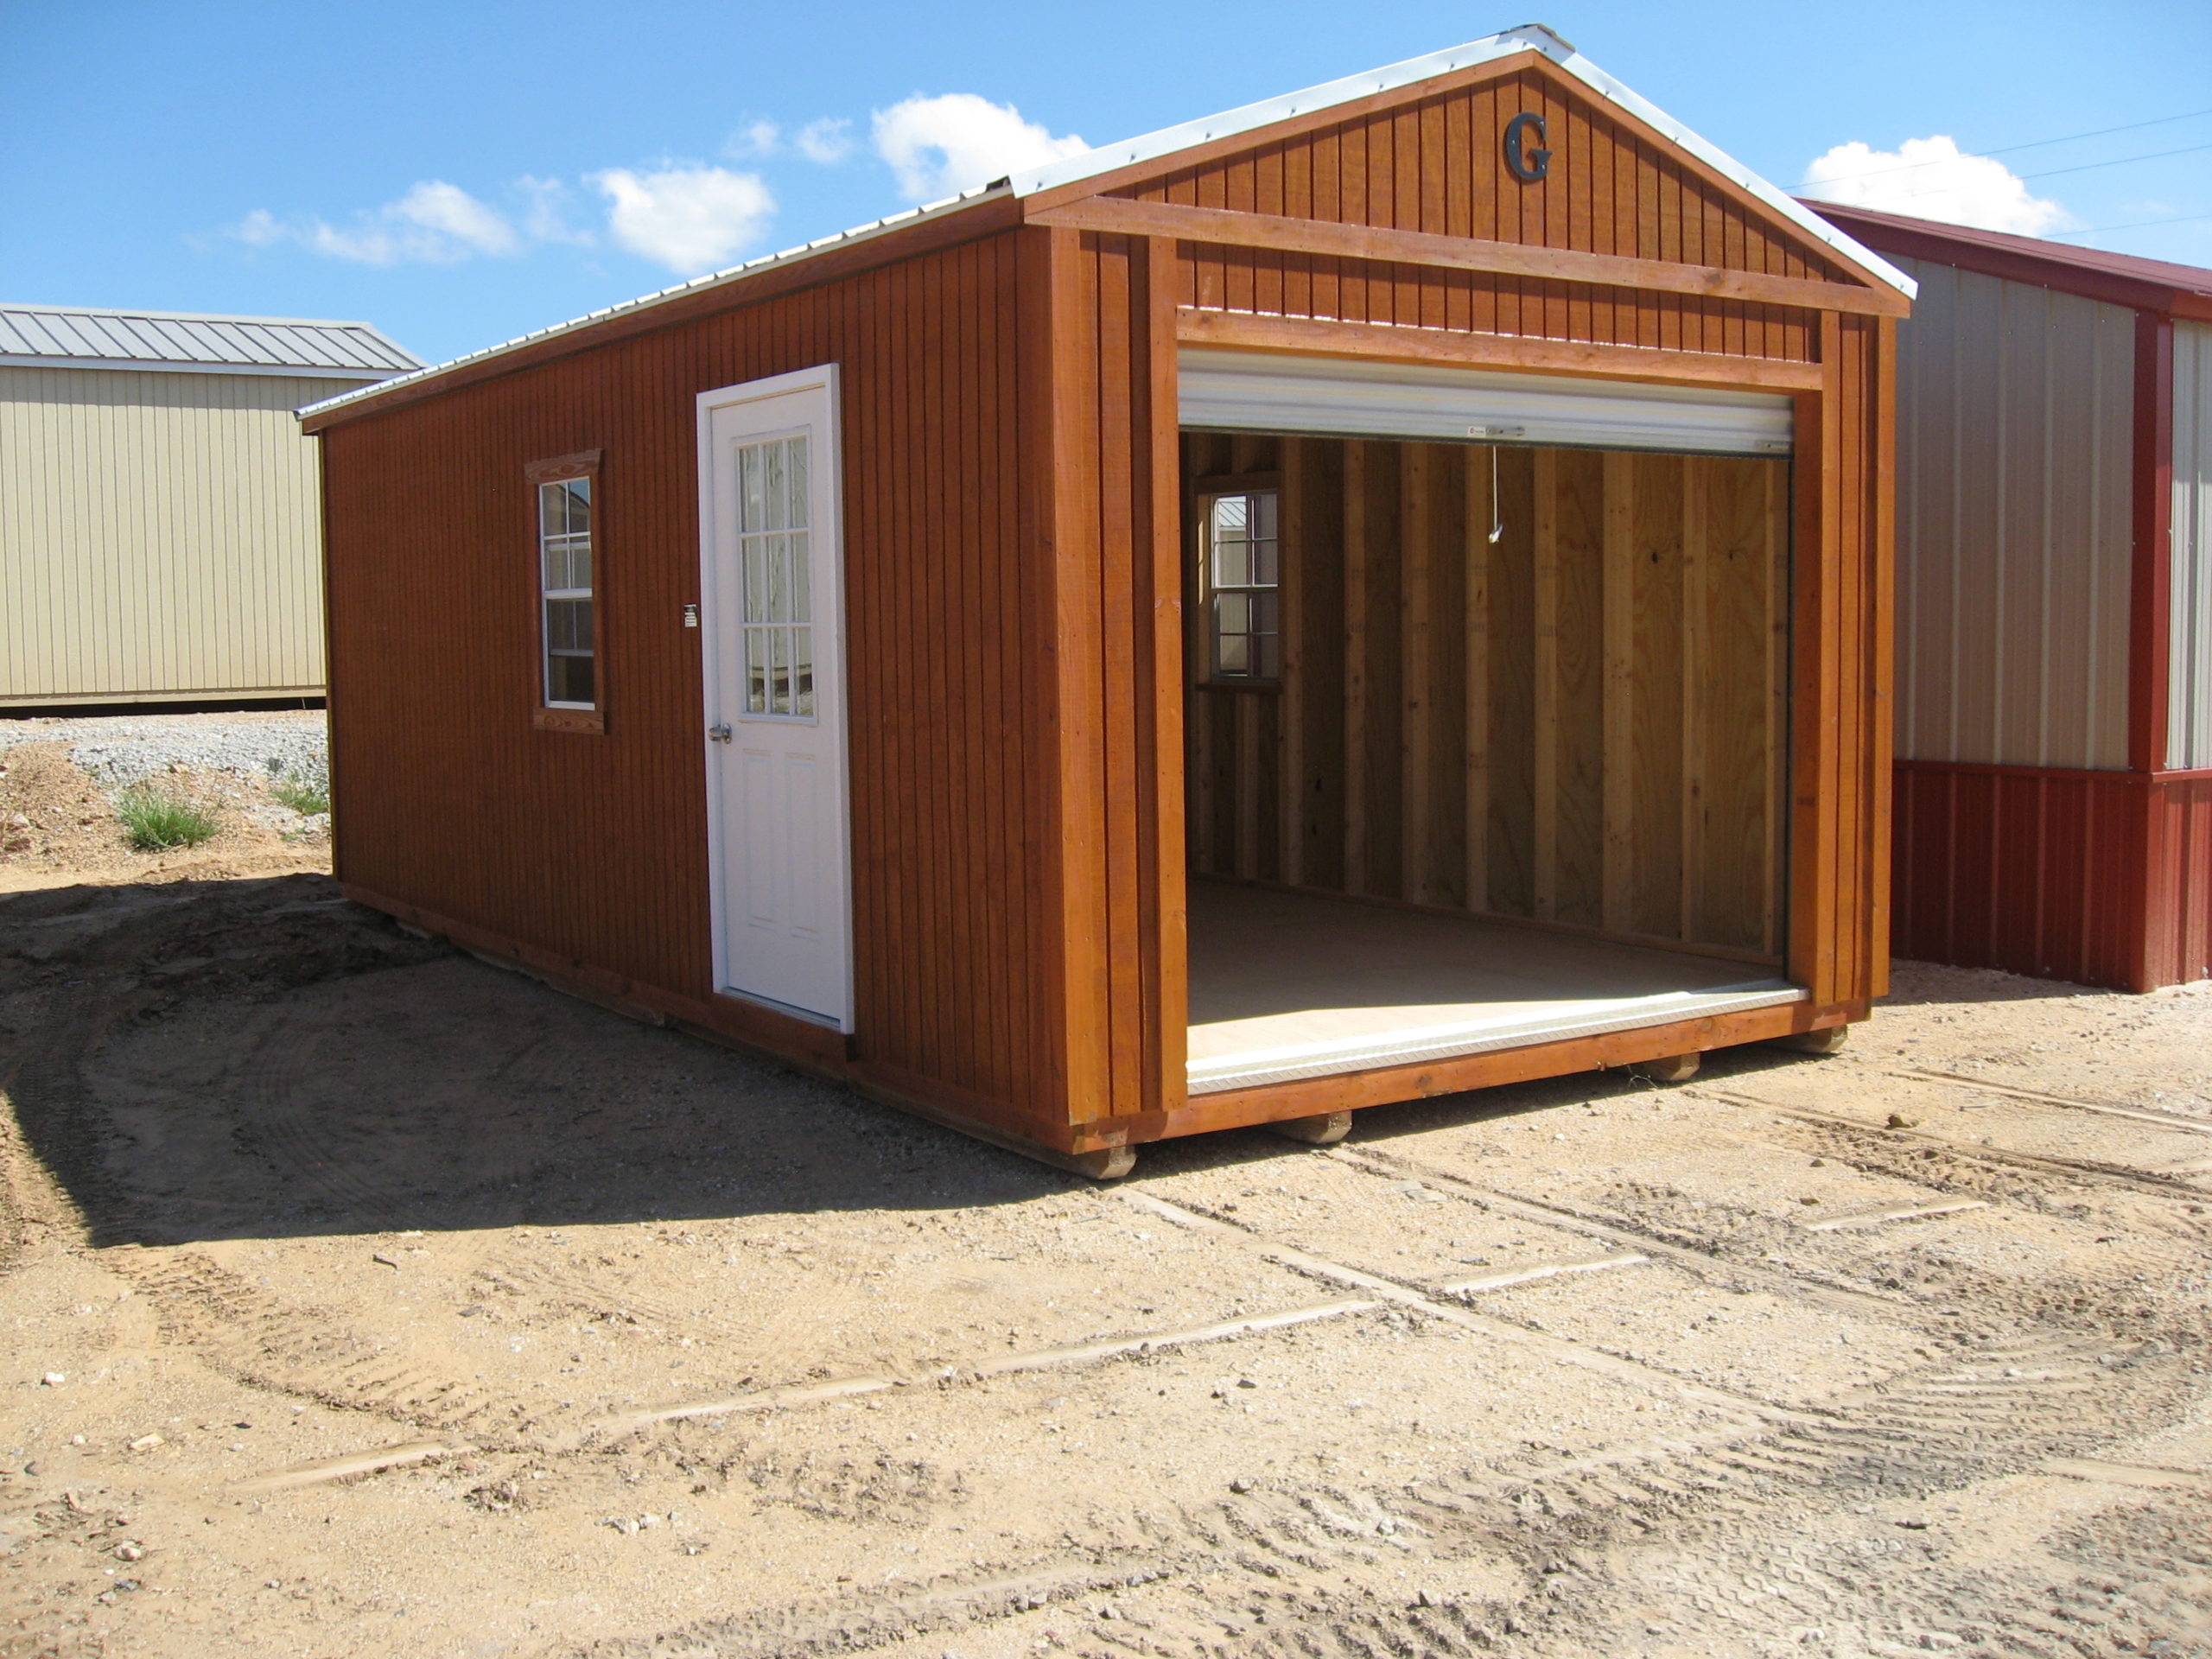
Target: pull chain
{"type": "Point", "coordinates": [1496, 518]}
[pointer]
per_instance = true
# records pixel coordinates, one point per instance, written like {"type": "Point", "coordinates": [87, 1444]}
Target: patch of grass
{"type": "Point", "coordinates": [307, 791]}
{"type": "Point", "coordinates": [155, 820]}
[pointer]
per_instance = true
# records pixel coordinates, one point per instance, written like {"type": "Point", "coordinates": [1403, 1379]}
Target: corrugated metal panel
{"type": "Point", "coordinates": [2015, 442]}
{"type": "Point", "coordinates": [2188, 718]}
{"type": "Point", "coordinates": [1255, 391]}
{"type": "Point", "coordinates": [161, 535]}
{"type": "Point", "coordinates": [80, 337]}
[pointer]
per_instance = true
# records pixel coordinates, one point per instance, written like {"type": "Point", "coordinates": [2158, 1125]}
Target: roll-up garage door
{"type": "Point", "coordinates": [1255, 391]}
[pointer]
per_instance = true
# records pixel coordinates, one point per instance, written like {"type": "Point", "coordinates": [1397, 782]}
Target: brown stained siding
{"type": "Point", "coordinates": [594, 848]}
{"type": "Point", "coordinates": [1433, 166]}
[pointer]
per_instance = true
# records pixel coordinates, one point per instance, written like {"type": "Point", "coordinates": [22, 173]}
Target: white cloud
{"type": "Point", "coordinates": [754, 138]}
{"type": "Point", "coordinates": [940, 146]}
{"type": "Point", "coordinates": [828, 141]}
{"type": "Point", "coordinates": [435, 222]}
{"type": "Point", "coordinates": [1930, 178]}
{"type": "Point", "coordinates": [690, 218]}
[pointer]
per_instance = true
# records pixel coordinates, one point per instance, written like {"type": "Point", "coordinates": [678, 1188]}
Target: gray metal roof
{"type": "Point", "coordinates": [80, 337]}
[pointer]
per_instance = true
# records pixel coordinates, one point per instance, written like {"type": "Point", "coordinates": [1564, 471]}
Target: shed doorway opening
{"type": "Point", "coordinates": [1486, 743]}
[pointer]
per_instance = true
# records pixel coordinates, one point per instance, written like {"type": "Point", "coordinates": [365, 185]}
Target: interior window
{"type": "Point", "coordinates": [1243, 567]}
{"type": "Point", "coordinates": [565, 560]}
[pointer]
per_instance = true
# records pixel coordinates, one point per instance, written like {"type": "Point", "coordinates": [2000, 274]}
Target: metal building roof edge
{"type": "Point", "coordinates": [1153, 146]}
{"type": "Point", "coordinates": [205, 320]}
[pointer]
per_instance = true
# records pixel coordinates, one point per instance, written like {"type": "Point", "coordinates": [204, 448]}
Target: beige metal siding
{"type": "Point", "coordinates": [2188, 720]}
{"type": "Point", "coordinates": [2015, 429]}
{"type": "Point", "coordinates": [159, 534]}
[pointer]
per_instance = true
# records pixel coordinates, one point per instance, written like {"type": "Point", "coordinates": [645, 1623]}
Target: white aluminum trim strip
{"type": "Point", "coordinates": [1529, 37]}
{"type": "Point", "coordinates": [1267, 391]}
{"type": "Point", "coordinates": [1290, 1063]}
{"type": "Point", "coordinates": [2189, 716]}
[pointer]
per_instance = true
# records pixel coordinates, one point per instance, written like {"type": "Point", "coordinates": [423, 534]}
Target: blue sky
{"type": "Point", "coordinates": [459, 173]}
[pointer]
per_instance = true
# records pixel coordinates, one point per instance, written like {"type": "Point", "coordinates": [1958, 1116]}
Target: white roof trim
{"type": "Point", "coordinates": [1527, 37]}
{"type": "Point", "coordinates": [713, 279]}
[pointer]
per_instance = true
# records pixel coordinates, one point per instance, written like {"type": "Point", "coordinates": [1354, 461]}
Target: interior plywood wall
{"type": "Point", "coordinates": [1581, 723]}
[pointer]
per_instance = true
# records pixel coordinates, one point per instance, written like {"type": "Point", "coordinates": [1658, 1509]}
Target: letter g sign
{"type": "Point", "coordinates": [1525, 164]}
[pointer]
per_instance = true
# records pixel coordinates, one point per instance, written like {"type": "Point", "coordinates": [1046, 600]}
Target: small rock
{"type": "Point", "coordinates": [148, 1442]}
{"type": "Point", "coordinates": [1808, 1200]}
{"type": "Point", "coordinates": [1240, 1484]}
{"type": "Point", "coordinates": [128, 1551]}
{"type": "Point", "coordinates": [126, 1583]}
{"type": "Point", "coordinates": [1941, 1639]}
{"type": "Point", "coordinates": [34, 1469]}
{"type": "Point", "coordinates": [1898, 1121]}
{"type": "Point", "coordinates": [1428, 1599]}
{"type": "Point", "coordinates": [53, 1379]}
{"type": "Point", "coordinates": [1914, 1526]}
{"type": "Point", "coordinates": [387, 1261]}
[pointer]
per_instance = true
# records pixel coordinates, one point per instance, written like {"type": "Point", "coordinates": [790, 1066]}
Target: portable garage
{"type": "Point", "coordinates": [1381, 592]}
{"type": "Point", "coordinates": [160, 531]}
{"type": "Point", "coordinates": [2054, 786]}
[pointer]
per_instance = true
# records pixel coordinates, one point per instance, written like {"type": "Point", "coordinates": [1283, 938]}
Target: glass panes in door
{"type": "Point", "coordinates": [773, 551]}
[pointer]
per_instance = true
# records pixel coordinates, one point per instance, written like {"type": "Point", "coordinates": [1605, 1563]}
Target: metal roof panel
{"type": "Point", "coordinates": [93, 337]}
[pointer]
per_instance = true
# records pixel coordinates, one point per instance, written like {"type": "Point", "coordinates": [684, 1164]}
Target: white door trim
{"type": "Point", "coordinates": [827, 464]}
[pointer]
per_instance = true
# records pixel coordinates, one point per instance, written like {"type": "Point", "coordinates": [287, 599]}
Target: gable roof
{"type": "Point", "coordinates": [2118, 278]}
{"type": "Point", "coordinates": [1168, 141]}
{"type": "Point", "coordinates": [83, 337]}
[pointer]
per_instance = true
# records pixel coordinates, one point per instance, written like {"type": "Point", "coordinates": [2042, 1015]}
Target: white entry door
{"type": "Point", "coordinates": [771, 584]}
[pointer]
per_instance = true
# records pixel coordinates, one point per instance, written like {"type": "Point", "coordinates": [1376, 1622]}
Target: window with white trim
{"type": "Point", "coordinates": [564, 548]}
{"type": "Point", "coordinates": [775, 551]}
{"type": "Point", "coordinates": [1241, 552]}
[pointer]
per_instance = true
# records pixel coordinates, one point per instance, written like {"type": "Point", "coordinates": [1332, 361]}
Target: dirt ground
{"type": "Point", "coordinates": [643, 1347]}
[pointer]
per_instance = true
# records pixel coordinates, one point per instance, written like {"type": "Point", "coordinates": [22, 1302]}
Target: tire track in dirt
{"type": "Point", "coordinates": [1734, 1502]}
{"type": "Point", "coordinates": [240, 1330]}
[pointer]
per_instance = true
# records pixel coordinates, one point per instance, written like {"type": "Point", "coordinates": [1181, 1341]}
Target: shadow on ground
{"type": "Point", "coordinates": [257, 1059]}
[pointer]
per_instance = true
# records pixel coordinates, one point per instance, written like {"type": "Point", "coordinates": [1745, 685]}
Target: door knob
{"type": "Point", "coordinates": [719, 731]}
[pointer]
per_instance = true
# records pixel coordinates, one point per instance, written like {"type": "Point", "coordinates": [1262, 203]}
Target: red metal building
{"type": "Point", "coordinates": [2054, 784]}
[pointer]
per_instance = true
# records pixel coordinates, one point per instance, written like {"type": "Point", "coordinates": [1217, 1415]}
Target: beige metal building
{"type": "Point", "coordinates": [160, 513]}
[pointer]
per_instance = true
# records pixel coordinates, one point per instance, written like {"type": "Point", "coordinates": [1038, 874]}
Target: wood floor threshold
{"type": "Point", "coordinates": [1412, 1047]}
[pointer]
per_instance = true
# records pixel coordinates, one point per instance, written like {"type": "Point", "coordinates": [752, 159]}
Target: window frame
{"type": "Point", "coordinates": [1205, 645]}
{"type": "Point", "coordinates": [588, 719]}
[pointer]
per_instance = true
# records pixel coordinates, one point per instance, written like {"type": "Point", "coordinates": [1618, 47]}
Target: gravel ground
{"type": "Point", "coordinates": [117, 749]}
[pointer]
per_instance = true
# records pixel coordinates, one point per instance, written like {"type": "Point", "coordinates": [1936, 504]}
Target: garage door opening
{"type": "Point", "coordinates": [1487, 742]}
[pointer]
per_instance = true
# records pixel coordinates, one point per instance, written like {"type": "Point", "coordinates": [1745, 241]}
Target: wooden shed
{"type": "Point", "coordinates": [2054, 784]}
{"type": "Point", "coordinates": [160, 531]}
{"type": "Point", "coordinates": [1375, 594]}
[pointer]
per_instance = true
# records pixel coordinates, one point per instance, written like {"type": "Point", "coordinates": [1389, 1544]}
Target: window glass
{"type": "Point", "coordinates": [776, 553]}
{"type": "Point", "coordinates": [564, 535]}
{"type": "Point", "coordinates": [1243, 566]}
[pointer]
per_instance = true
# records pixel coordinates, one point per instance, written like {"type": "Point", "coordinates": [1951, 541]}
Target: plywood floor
{"type": "Point", "coordinates": [1287, 985]}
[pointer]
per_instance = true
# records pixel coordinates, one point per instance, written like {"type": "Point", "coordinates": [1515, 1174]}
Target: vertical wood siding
{"type": "Point", "coordinates": [2188, 709]}
{"type": "Point", "coordinates": [1582, 723]}
{"type": "Point", "coordinates": [1432, 165]}
{"type": "Point", "coordinates": [159, 535]}
{"type": "Point", "coordinates": [2015, 534]}
{"type": "Point", "coordinates": [593, 849]}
